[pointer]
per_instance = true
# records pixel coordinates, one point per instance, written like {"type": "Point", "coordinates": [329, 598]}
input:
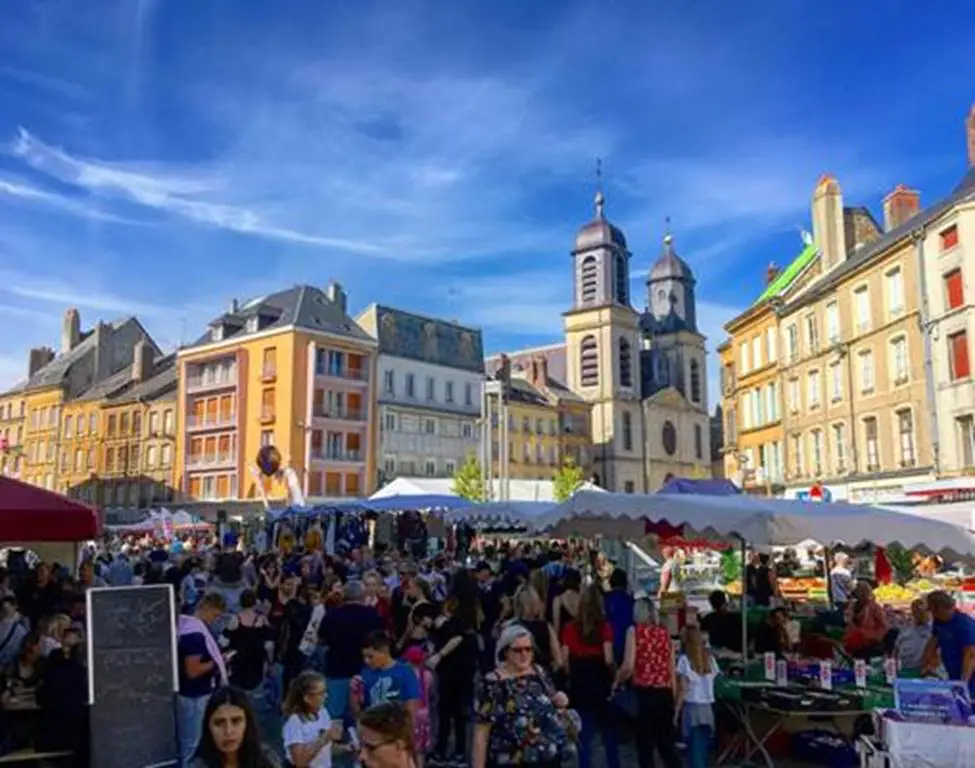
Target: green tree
{"type": "Point", "coordinates": [469, 480]}
{"type": "Point", "coordinates": [567, 481]}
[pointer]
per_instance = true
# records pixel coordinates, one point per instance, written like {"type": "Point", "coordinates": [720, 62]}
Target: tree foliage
{"type": "Point", "coordinates": [469, 480]}
{"type": "Point", "coordinates": [567, 480]}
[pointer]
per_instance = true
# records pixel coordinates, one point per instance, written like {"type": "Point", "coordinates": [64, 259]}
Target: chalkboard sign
{"type": "Point", "coordinates": [132, 680]}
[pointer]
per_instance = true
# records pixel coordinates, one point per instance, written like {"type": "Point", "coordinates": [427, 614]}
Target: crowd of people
{"type": "Point", "coordinates": [533, 654]}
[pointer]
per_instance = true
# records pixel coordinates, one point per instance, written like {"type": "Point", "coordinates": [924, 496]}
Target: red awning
{"type": "Point", "coordinates": [29, 513]}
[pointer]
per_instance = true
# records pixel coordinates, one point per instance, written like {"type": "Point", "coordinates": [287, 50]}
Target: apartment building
{"type": "Point", "coordinates": [548, 424]}
{"type": "Point", "coordinates": [751, 386]}
{"type": "Point", "coordinates": [429, 383]}
{"type": "Point", "coordinates": [56, 382]}
{"type": "Point", "coordinates": [118, 439]}
{"type": "Point", "coordinates": [858, 391]}
{"type": "Point", "coordinates": [947, 243]}
{"type": "Point", "coordinates": [293, 370]}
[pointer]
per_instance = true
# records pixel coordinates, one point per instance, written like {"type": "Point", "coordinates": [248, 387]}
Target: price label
{"type": "Point", "coordinates": [826, 675]}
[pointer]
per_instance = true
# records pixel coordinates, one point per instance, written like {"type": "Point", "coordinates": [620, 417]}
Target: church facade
{"type": "Point", "coordinates": [644, 373]}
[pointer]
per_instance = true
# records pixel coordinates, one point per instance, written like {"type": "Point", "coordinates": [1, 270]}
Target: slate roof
{"type": "Point", "coordinates": [52, 374]}
{"type": "Point", "coordinates": [120, 388]}
{"type": "Point", "coordinates": [554, 354]}
{"type": "Point", "coordinates": [523, 391]}
{"type": "Point", "coordinates": [963, 192]}
{"type": "Point", "coordinates": [427, 339]}
{"type": "Point", "coordinates": [303, 306]}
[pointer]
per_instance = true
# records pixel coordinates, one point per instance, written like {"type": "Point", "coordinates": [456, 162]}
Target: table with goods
{"type": "Point", "coordinates": [768, 700]}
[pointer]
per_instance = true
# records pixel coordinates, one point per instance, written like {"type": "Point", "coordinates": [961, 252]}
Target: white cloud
{"type": "Point", "coordinates": [30, 194]}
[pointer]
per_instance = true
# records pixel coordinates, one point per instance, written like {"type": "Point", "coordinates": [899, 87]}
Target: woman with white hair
{"type": "Point", "coordinates": [520, 716]}
{"type": "Point", "coordinates": [842, 582]}
{"type": "Point", "coordinates": [649, 662]}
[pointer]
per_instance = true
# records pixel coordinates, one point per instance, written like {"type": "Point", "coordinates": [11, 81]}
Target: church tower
{"type": "Point", "coordinates": [674, 364]}
{"type": "Point", "coordinates": [602, 334]}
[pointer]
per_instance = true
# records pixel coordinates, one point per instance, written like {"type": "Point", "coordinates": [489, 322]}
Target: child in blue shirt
{"type": "Point", "coordinates": [384, 678]}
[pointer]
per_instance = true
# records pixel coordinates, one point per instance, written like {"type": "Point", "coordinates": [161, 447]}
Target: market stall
{"type": "Point", "coordinates": [766, 697]}
{"type": "Point", "coordinates": [47, 523]}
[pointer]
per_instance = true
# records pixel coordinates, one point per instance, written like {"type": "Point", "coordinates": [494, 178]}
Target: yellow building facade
{"type": "Point", "coordinates": [291, 370]}
{"type": "Point", "coordinates": [750, 381]}
{"type": "Point", "coordinates": [53, 416]}
{"type": "Point", "coordinates": [548, 425]}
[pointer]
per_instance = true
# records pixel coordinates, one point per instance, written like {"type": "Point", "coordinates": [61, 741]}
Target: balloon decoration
{"type": "Point", "coordinates": [268, 460]}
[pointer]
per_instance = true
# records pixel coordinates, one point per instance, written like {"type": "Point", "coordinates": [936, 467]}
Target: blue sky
{"type": "Point", "coordinates": [163, 158]}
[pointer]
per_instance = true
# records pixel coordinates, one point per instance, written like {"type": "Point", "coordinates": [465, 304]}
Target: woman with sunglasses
{"type": "Point", "coordinates": [520, 717]}
{"type": "Point", "coordinates": [386, 736]}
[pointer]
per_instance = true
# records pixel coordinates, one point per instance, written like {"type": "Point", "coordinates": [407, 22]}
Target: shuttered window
{"type": "Point", "coordinates": [954, 289]}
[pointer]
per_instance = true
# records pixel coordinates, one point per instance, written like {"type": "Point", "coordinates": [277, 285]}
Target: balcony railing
{"type": "Point", "coordinates": [209, 421]}
{"type": "Point", "coordinates": [337, 455]}
{"type": "Point", "coordinates": [209, 460]}
{"type": "Point", "coordinates": [195, 383]}
{"type": "Point", "coordinates": [344, 372]}
{"type": "Point", "coordinates": [343, 414]}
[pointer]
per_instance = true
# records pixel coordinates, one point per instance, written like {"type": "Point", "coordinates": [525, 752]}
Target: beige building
{"type": "Point", "coordinates": [948, 244]}
{"type": "Point", "coordinates": [876, 380]}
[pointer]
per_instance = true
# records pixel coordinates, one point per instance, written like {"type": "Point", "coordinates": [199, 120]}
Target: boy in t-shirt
{"type": "Point", "coordinates": [384, 678]}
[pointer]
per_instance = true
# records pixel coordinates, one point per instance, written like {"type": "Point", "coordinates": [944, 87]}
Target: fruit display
{"type": "Point", "coordinates": [733, 588]}
{"type": "Point", "coordinates": [894, 593]}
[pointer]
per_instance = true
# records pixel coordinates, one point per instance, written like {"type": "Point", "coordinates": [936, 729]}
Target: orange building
{"type": "Point", "coordinates": [292, 370]}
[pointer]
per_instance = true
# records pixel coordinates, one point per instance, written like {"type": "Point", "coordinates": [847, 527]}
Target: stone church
{"type": "Point", "coordinates": [644, 373]}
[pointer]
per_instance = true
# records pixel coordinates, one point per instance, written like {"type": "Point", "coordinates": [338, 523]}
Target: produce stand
{"type": "Point", "coordinates": [761, 709]}
{"type": "Point", "coordinates": [763, 523]}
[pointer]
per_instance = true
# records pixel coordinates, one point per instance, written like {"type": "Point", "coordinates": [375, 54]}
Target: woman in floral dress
{"type": "Point", "coordinates": [521, 719]}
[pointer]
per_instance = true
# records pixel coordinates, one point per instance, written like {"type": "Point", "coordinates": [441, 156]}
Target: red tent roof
{"type": "Point", "coordinates": [29, 513]}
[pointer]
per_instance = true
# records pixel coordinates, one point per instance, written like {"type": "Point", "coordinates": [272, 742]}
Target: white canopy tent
{"type": "Point", "coordinates": [767, 522]}
{"type": "Point", "coordinates": [502, 512]}
{"type": "Point", "coordinates": [519, 490]}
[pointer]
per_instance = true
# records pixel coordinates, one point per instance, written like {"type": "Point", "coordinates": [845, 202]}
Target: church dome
{"type": "Point", "coordinates": [670, 266]}
{"type": "Point", "coordinates": [600, 231]}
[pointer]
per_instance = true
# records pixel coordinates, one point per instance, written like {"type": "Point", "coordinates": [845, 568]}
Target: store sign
{"type": "Point", "coordinates": [816, 493]}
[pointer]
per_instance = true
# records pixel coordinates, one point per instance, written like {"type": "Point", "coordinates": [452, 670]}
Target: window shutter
{"type": "Point", "coordinates": [959, 355]}
{"type": "Point", "coordinates": [955, 289]}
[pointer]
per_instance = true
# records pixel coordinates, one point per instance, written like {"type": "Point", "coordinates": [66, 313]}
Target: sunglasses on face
{"type": "Point", "coordinates": [369, 748]}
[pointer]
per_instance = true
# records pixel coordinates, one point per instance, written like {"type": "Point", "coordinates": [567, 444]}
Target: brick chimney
{"type": "Point", "coordinates": [539, 371]}
{"type": "Point", "coordinates": [970, 133]}
{"type": "Point", "coordinates": [142, 356]}
{"type": "Point", "coordinates": [900, 205]}
{"type": "Point", "coordinates": [771, 272]}
{"type": "Point", "coordinates": [70, 330]}
{"type": "Point", "coordinates": [39, 357]}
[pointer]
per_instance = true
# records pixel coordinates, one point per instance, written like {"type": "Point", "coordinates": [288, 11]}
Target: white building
{"type": "Point", "coordinates": [947, 244]}
{"type": "Point", "coordinates": [430, 374]}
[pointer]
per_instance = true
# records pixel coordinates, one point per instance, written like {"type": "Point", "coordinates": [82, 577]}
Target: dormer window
{"type": "Point", "coordinates": [253, 324]}
{"type": "Point", "coordinates": [216, 333]}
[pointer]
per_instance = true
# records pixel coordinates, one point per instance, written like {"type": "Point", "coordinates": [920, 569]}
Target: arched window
{"type": "Point", "coordinates": [695, 381]}
{"type": "Point", "coordinates": [589, 362]}
{"type": "Point", "coordinates": [626, 364]}
{"type": "Point", "coordinates": [588, 279]}
{"type": "Point", "coordinates": [622, 281]}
